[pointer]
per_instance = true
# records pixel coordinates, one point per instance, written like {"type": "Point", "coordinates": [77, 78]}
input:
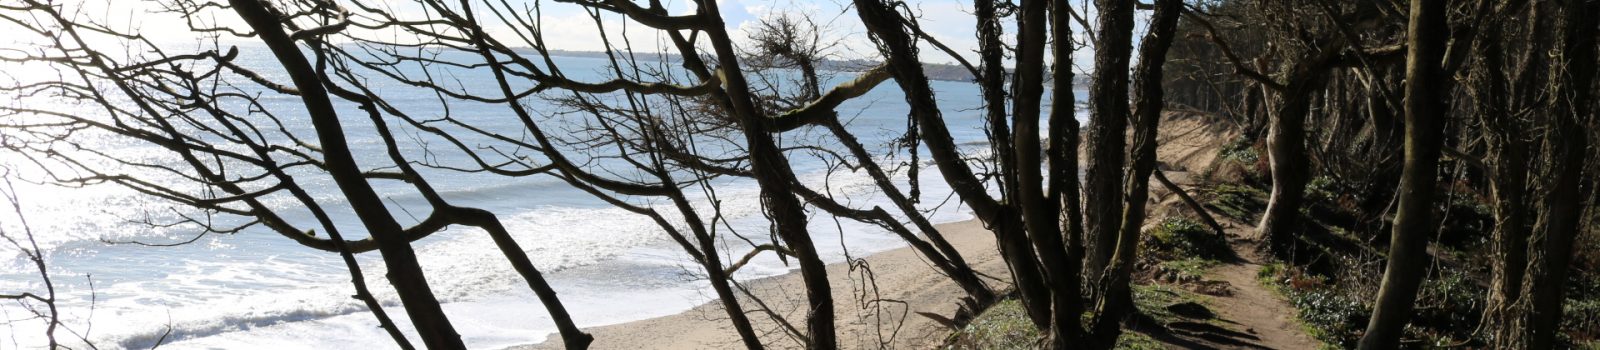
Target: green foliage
{"type": "Point", "coordinates": [1242, 150]}
{"type": "Point", "coordinates": [1581, 322]}
{"type": "Point", "coordinates": [1329, 314]}
{"type": "Point", "coordinates": [1179, 237]}
{"type": "Point", "coordinates": [1451, 305]}
{"type": "Point", "coordinates": [1005, 325]}
{"type": "Point", "coordinates": [1322, 189]}
{"type": "Point", "coordinates": [1239, 161]}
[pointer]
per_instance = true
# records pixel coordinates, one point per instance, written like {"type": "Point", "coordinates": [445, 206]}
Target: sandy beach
{"type": "Point", "coordinates": [886, 309]}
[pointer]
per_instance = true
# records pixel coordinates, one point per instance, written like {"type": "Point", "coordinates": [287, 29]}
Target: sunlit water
{"type": "Point", "coordinates": [256, 289]}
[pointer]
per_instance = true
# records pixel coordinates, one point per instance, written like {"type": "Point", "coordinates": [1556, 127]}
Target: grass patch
{"type": "Point", "coordinates": [1138, 341]}
{"type": "Point", "coordinates": [1183, 270]}
{"type": "Point", "coordinates": [1153, 299]}
{"type": "Point", "coordinates": [1005, 325]}
{"type": "Point", "coordinates": [1237, 201]}
{"type": "Point", "coordinates": [1178, 238]}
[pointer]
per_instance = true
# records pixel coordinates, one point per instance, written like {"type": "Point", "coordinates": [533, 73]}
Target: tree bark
{"type": "Point", "coordinates": [1041, 214]}
{"type": "Point", "coordinates": [1286, 153]}
{"type": "Point", "coordinates": [1063, 187]}
{"type": "Point", "coordinates": [1116, 300]}
{"type": "Point", "coordinates": [1538, 313]}
{"type": "Point", "coordinates": [1107, 132]}
{"type": "Point", "coordinates": [1508, 159]}
{"type": "Point", "coordinates": [1413, 221]}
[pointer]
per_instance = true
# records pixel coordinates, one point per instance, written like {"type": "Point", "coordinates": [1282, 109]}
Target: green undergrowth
{"type": "Point", "coordinates": [1581, 320]}
{"type": "Point", "coordinates": [1448, 307]}
{"type": "Point", "coordinates": [1327, 314]}
{"type": "Point", "coordinates": [1236, 201]}
{"type": "Point", "coordinates": [1138, 341]}
{"type": "Point", "coordinates": [1180, 238]}
{"type": "Point", "coordinates": [1005, 325]}
{"type": "Point", "coordinates": [1153, 299]}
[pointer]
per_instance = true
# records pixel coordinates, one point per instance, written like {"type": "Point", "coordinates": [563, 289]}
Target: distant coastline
{"type": "Point", "coordinates": [934, 71]}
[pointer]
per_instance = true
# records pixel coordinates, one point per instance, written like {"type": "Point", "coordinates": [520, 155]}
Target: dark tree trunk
{"type": "Point", "coordinates": [1413, 221]}
{"type": "Point", "coordinates": [1540, 308]}
{"type": "Point", "coordinates": [405, 273]}
{"type": "Point", "coordinates": [1010, 229]}
{"type": "Point", "coordinates": [1286, 152]}
{"type": "Point", "coordinates": [720, 283]}
{"type": "Point", "coordinates": [1063, 187]}
{"type": "Point", "coordinates": [772, 173]}
{"type": "Point", "coordinates": [1107, 137]}
{"type": "Point", "coordinates": [887, 29]}
{"type": "Point", "coordinates": [1508, 161]}
{"type": "Point", "coordinates": [1041, 214]}
{"type": "Point", "coordinates": [1116, 302]}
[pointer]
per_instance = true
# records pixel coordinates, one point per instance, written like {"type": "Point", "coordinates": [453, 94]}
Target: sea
{"type": "Point", "coordinates": [122, 279]}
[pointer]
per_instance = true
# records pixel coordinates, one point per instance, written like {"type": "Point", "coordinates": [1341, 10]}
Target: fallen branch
{"type": "Point", "coordinates": [1198, 209]}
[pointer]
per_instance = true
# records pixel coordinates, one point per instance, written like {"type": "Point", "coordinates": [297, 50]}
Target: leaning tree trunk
{"type": "Point", "coordinates": [771, 169]}
{"type": "Point", "coordinates": [1413, 221]}
{"type": "Point", "coordinates": [1116, 300]}
{"type": "Point", "coordinates": [887, 29]}
{"type": "Point", "coordinates": [1107, 132]}
{"type": "Point", "coordinates": [405, 273]}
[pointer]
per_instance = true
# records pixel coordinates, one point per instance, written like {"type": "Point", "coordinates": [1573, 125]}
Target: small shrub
{"type": "Point", "coordinates": [1322, 189]}
{"type": "Point", "coordinates": [1338, 318]}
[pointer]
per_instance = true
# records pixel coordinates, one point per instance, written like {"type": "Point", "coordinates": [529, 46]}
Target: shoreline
{"type": "Point", "coordinates": [889, 309]}
{"type": "Point", "coordinates": [909, 287]}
